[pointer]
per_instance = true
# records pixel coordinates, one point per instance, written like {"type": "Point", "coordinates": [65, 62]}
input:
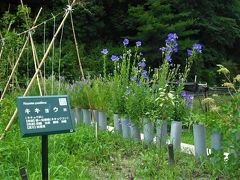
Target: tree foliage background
{"type": "Point", "coordinates": [213, 23]}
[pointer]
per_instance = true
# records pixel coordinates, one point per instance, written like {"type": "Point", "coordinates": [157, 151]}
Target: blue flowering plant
{"type": "Point", "coordinates": [184, 102]}
{"type": "Point", "coordinates": [138, 94]}
{"type": "Point", "coordinates": [119, 82]}
{"type": "Point", "coordinates": [164, 78]}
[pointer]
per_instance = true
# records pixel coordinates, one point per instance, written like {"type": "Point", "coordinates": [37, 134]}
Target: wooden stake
{"type": "Point", "coordinates": [37, 71]}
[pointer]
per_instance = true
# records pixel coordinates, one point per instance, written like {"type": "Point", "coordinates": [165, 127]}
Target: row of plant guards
{"type": "Point", "coordinates": [135, 98]}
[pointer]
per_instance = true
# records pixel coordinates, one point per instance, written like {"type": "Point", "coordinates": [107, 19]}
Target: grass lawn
{"type": "Point", "coordinates": [79, 156]}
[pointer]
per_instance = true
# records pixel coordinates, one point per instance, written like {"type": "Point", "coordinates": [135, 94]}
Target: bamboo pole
{"type": "Point", "coordinates": [18, 59]}
{"type": "Point", "coordinates": [76, 46]}
{"type": "Point", "coordinates": [37, 71]}
{"type": "Point", "coordinates": [33, 47]}
{"type": "Point", "coordinates": [35, 63]}
{"type": "Point", "coordinates": [1, 36]}
{"type": "Point", "coordinates": [36, 26]}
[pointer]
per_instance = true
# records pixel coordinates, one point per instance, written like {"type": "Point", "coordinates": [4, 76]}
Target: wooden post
{"type": "Point", "coordinates": [171, 154]}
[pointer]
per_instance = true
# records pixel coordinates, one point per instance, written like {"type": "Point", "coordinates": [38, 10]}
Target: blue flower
{"type": "Point", "coordinates": [138, 83]}
{"type": "Point", "coordinates": [171, 42]}
{"type": "Point", "coordinates": [141, 64]}
{"type": "Point", "coordinates": [169, 58]}
{"type": "Point", "coordinates": [125, 42]}
{"type": "Point", "coordinates": [138, 43]}
{"type": "Point", "coordinates": [162, 49]}
{"type": "Point", "coordinates": [175, 49]}
{"type": "Point", "coordinates": [114, 58]}
{"type": "Point", "coordinates": [144, 72]}
{"type": "Point", "coordinates": [145, 76]}
{"type": "Point", "coordinates": [104, 51]}
{"type": "Point", "coordinates": [189, 52]}
{"type": "Point", "coordinates": [190, 96]}
{"type": "Point", "coordinates": [170, 49]}
{"type": "Point", "coordinates": [198, 48]}
{"type": "Point", "coordinates": [171, 38]}
{"type": "Point", "coordinates": [184, 94]}
{"type": "Point", "coordinates": [190, 104]}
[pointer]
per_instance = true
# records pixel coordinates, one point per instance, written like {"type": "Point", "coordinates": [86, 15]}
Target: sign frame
{"type": "Point", "coordinates": [26, 105]}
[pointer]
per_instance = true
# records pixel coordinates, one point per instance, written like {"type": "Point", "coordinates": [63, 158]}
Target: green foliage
{"type": "Point", "coordinates": [79, 94]}
{"type": "Point", "coordinates": [155, 19]}
{"type": "Point", "coordinates": [78, 155]}
{"type": "Point", "coordinates": [99, 94]}
{"type": "Point", "coordinates": [119, 83]}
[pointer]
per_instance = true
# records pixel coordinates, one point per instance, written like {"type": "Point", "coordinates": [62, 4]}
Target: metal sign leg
{"type": "Point", "coordinates": [45, 157]}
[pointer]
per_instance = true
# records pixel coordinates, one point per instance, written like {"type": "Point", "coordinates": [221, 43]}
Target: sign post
{"type": "Point", "coordinates": [42, 116]}
{"type": "Point", "coordinates": [45, 157]}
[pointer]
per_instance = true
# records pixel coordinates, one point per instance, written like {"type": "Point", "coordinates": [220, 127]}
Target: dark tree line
{"type": "Point", "coordinates": [213, 23]}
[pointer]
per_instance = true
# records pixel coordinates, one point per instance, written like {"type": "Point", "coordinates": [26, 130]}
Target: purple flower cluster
{"type": "Point", "coordinates": [144, 73]}
{"type": "Point", "coordinates": [171, 42]}
{"type": "Point", "coordinates": [171, 46]}
{"type": "Point", "coordinates": [196, 48]}
{"type": "Point", "coordinates": [188, 98]}
{"type": "Point", "coordinates": [163, 49]}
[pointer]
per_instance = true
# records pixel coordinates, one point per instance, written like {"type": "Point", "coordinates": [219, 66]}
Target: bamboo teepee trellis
{"type": "Point", "coordinates": [68, 12]}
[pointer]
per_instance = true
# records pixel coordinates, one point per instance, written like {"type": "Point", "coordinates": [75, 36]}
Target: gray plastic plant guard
{"type": "Point", "coordinates": [199, 133]}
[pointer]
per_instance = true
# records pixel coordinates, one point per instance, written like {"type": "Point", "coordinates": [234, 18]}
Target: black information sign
{"type": "Point", "coordinates": [44, 115]}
